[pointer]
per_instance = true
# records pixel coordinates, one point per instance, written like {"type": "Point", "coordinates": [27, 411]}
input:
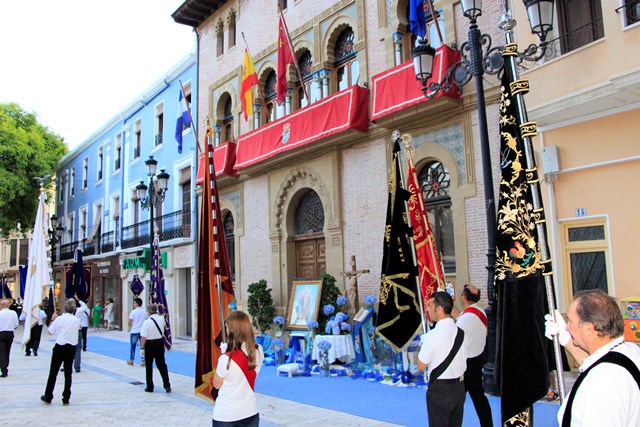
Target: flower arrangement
{"type": "Point", "coordinates": [323, 357]}
{"type": "Point", "coordinates": [337, 324]}
{"type": "Point", "coordinates": [278, 347]}
{"type": "Point", "coordinates": [278, 323]}
{"type": "Point", "coordinates": [328, 309]}
{"type": "Point", "coordinates": [370, 300]}
{"type": "Point", "coordinates": [342, 301]}
{"type": "Point", "coordinates": [312, 326]}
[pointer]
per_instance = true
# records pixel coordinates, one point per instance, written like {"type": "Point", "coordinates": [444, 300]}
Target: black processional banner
{"type": "Point", "coordinates": [399, 318]}
{"type": "Point", "coordinates": [521, 358]}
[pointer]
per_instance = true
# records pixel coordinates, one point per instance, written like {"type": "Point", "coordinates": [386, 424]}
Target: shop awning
{"type": "Point", "coordinates": [224, 158]}
{"type": "Point", "coordinates": [97, 217]}
{"type": "Point", "coordinates": [347, 109]}
{"type": "Point", "coordinates": [397, 88]}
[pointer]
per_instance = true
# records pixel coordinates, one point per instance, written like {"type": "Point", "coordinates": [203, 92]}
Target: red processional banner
{"type": "Point", "coordinates": [224, 158]}
{"type": "Point", "coordinates": [347, 109]}
{"type": "Point", "coordinates": [397, 88]}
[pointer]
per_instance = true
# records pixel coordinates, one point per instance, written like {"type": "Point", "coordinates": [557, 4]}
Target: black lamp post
{"type": "Point", "coordinates": [55, 233]}
{"type": "Point", "coordinates": [158, 184]}
{"type": "Point", "coordinates": [477, 58]}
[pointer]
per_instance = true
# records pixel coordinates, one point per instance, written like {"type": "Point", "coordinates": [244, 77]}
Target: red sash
{"type": "Point", "coordinates": [480, 314]}
{"type": "Point", "coordinates": [242, 361]}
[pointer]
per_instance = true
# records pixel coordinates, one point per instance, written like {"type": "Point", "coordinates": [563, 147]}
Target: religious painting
{"type": "Point", "coordinates": [304, 303]}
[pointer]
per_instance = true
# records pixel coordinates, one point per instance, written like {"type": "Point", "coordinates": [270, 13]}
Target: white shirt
{"type": "Point", "coordinates": [137, 317]}
{"type": "Point", "coordinates": [608, 396]}
{"type": "Point", "coordinates": [65, 328]}
{"type": "Point", "coordinates": [438, 345]}
{"type": "Point", "coordinates": [149, 331]}
{"type": "Point", "coordinates": [235, 399]}
{"type": "Point", "coordinates": [82, 313]}
{"type": "Point", "coordinates": [8, 320]}
{"type": "Point", "coordinates": [475, 333]}
{"type": "Point", "coordinates": [41, 316]}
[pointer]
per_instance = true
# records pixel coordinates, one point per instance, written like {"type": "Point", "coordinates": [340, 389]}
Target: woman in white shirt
{"type": "Point", "coordinates": [236, 373]}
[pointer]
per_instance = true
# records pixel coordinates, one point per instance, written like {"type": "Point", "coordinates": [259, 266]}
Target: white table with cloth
{"type": "Point", "coordinates": [341, 347]}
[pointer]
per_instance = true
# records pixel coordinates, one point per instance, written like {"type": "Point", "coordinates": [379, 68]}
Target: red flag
{"type": "Point", "coordinates": [285, 57]}
{"type": "Point", "coordinates": [429, 266]}
{"type": "Point", "coordinates": [213, 270]}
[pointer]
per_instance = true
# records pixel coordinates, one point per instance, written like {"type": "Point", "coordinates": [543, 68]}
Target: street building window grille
{"type": "Point", "coordinates": [228, 119]}
{"type": "Point", "coordinates": [580, 23]}
{"type": "Point", "coordinates": [436, 184]}
{"type": "Point", "coordinates": [274, 111]}
{"type": "Point", "coordinates": [589, 233]}
{"type": "Point", "coordinates": [305, 63]}
{"type": "Point", "coordinates": [345, 60]}
{"type": "Point", "coordinates": [309, 214]}
{"type": "Point", "coordinates": [631, 11]}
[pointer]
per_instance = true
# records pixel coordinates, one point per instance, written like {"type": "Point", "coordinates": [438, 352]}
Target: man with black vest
{"type": "Point", "coordinates": [607, 391]}
{"type": "Point", "coordinates": [152, 347]}
{"type": "Point", "coordinates": [443, 353]}
{"type": "Point", "coordinates": [473, 321]}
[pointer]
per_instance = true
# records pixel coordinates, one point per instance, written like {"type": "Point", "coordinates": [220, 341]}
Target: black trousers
{"type": "Point", "coordinates": [252, 421]}
{"type": "Point", "coordinates": [154, 351]}
{"type": "Point", "coordinates": [445, 403]}
{"type": "Point", "coordinates": [84, 337]}
{"type": "Point", "coordinates": [34, 340]}
{"type": "Point", "coordinates": [473, 385]}
{"type": "Point", "coordinates": [61, 355]}
{"type": "Point", "coordinates": [6, 339]}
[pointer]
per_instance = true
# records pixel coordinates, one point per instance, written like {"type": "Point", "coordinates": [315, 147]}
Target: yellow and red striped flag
{"type": "Point", "coordinates": [249, 80]}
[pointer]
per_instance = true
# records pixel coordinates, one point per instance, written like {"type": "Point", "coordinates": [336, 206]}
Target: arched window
{"type": "Point", "coordinates": [274, 111]}
{"type": "Point", "coordinates": [346, 60]}
{"type": "Point", "coordinates": [435, 182]}
{"type": "Point", "coordinates": [305, 63]}
{"type": "Point", "coordinates": [310, 214]}
{"type": "Point", "coordinates": [229, 239]}
{"type": "Point", "coordinates": [219, 39]}
{"type": "Point", "coordinates": [232, 30]}
{"type": "Point", "coordinates": [228, 120]}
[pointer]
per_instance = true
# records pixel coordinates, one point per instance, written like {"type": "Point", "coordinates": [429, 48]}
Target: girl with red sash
{"type": "Point", "coordinates": [235, 375]}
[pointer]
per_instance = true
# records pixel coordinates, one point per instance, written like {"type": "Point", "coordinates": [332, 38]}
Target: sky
{"type": "Point", "coordinates": [77, 63]}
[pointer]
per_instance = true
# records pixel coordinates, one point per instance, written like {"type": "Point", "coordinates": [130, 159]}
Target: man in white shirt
{"type": "Point", "coordinates": [446, 393]}
{"type": "Point", "coordinates": [152, 342]}
{"type": "Point", "coordinates": [82, 312]}
{"type": "Point", "coordinates": [36, 332]}
{"type": "Point", "coordinates": [8, 323]}
{"type": "Point", "coordinates": [473, 321]}
{"type": "Point", "coordinates": [607, 391]}
{"type": "Point", "coordinates": [65, 328]}
{"type": "Point", "coordinates": [136, 318]}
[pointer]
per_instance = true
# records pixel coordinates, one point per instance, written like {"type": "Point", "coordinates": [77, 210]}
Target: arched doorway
{"type": "Point", "coordinates": [309, 237]}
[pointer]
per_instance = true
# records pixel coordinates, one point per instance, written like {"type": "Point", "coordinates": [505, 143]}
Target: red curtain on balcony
{"type": "Point", "coordinates": [224, 158]}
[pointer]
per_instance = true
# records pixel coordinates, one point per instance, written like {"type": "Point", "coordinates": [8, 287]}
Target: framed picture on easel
{"type": "Point", "coordinates": [304, 303]}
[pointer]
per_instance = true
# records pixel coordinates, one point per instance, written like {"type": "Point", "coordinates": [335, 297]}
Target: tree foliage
{"type": "Point", "coordinates": [260, 306]}
{"type": "Point", "coordinates": [27, 149]}
{"type": "Point", "coordinates": [329, 295]}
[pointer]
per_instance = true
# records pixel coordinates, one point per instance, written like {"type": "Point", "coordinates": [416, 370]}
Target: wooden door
{"type": "Point", "coordinates": [310, 258]}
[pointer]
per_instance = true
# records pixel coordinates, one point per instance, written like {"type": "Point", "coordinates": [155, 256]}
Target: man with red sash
{"type": "Point", "coordinates": [473, 321]}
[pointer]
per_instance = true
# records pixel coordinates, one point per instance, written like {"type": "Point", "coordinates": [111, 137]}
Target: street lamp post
{"type": "Point", "coordinates": [158, 184]}
{"type": "Point", "coordinates": [55, 234]}
{"type": "Point", "coordinates": [477, 58]}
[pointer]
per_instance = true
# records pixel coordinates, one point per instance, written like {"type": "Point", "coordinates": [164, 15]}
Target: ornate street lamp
{"type": "Point", "coordinates": [158, 185]}
{"type": "Point", "coordinates": [477, 58]}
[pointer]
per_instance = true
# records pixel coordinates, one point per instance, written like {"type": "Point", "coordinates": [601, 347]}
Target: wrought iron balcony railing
{"type": "Point", "coordinates": [171, 226]}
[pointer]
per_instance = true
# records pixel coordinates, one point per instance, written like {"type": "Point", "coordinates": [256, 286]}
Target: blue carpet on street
{"type": "Point", "coordinates": [399, 405]}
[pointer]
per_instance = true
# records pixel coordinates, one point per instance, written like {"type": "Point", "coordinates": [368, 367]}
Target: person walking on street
{"type": "Point", "coordinates": [152, 343]}
{"type": "Point", "coordinates": [236, 374]}
{"type": "Point", "coordinates": [442, 351]}
{"type": "Point", "coordinates": [473, 321]}
{"type": "Point", "coordinates": [82, 313]}
{"type": "Point", "coordinates": [607, 391]}
{"type": "Point", "coordinates": [136, 318]}
{"type": "Point", "coordinates": [66, 330]}
{"type": "Point", "coordinates": [36, 332]}
{"type": "Point", "coordinates": [109, 314]}
{"type": "Point", "coordinates": [97, 315]}
{"type": "Point", "coordinates": [8, 323]}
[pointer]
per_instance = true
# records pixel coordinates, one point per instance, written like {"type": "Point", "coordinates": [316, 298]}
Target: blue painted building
{"type": "Point", "coordinates": [101, 212]}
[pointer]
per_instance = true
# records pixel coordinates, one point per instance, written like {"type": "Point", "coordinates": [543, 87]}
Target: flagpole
{"type": "Point", "coordinates": [286, 29]}
{"type": "Point", "coordinates": [260, 92]}
{"type": "Point", "coordinates": [396, 136]}
{"type": "Point", "coordinates": [528, 129]}
{"type": "Point", "coordinates": [435, 20]}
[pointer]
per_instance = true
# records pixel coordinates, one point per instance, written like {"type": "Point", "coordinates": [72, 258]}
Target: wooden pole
{"type": "Point", "coordinates": [286, 29]}
{"type": "Point", "coordinates": [435, 20]}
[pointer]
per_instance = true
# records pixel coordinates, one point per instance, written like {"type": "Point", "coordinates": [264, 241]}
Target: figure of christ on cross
{"type": "Point", "coordinates": [352, 291]}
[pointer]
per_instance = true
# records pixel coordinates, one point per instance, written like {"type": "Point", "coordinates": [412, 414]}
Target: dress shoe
{"type": "Point", "coordinates": [148, 390]}
{"type": "Point", "coordinates": [45, 399]}
{"type": "Point", "coordinates": [130, 362]}
{"type": "Point", "coordinates": [142, 363]}
{"type": "Point", "coordinates": [78, 371]}
{"type": "Point", "coordinates": [4, 374]}
{"type": "Point", "coordinates": [65, 401]}
{"type": "Point", "coordinates": [27, 354]}
{"type": "Point", "coordinates": [35, 352]}
{"type": "Point", "coordinates": [167, 389]}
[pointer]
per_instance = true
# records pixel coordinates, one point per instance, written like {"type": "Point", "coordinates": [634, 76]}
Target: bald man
{"type": "Point", "coordinates": [473, 321]}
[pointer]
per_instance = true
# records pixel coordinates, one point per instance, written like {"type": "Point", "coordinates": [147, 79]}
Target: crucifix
{"type": "Point", "coordinates": [352, 291]}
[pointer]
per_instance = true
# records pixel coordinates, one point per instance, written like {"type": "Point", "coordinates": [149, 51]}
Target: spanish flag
{"type": "Point", "coordinates": [249, 79]}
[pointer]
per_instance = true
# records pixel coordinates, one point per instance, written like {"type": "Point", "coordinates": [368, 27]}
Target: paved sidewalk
{"type": "Point", "coordinates": [110, 392]}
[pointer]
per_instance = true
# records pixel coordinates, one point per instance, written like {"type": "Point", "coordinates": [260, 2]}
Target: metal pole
{"type": "Point", "coordinates": [476, 61]}
{"type": "Point", "coordinates": [538, 207]}
{"type": "Point", "coordinates": [151, 201]}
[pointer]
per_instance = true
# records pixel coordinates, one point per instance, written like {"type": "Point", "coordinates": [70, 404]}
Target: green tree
{"type": "Point", "coordinates": [260, 306]}
{"type": "Point", "coordinates": [27, 149]}
{"type": "Point", "coordinates": [329, 295]}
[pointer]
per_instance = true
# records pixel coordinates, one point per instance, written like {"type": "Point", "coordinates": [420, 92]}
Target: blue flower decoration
{"type": "Point", "coordinates": [335, 330]}
{"type": "Point", "coordinates": [328, 309]}
{"type": "Point", "coordinates": [341, 317]}
{"type": "Point", "coordinates": [324, 345]}
{"type": "Point", "coordinates": [312, 325]}
{"type": "Point", "coordinates": [277, 344]}
{"type": "Point", "coordinates": [342, 300]}
{"type": "Point", "coordinates": [278, 320]}
{"type": "Point", "coordinates": [370, 299]}
{"type": "Point", "coordinates": [345, 326]}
